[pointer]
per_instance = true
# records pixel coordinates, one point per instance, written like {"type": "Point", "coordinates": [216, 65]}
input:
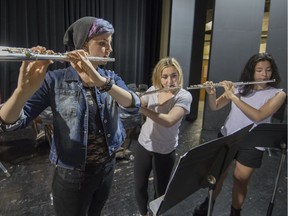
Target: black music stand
{"type": "Point", "coordinates": [200, 167]}
{"type": "Point", "coordinates": [271, 136]}
{"type": "Point", "coordinates": [203, 165]}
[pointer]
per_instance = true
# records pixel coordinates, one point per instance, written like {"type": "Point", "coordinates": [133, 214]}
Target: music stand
{"type": "Point", "coordinates": [2, 167]}
{"type": "Point", "coordinates": [203, 165]}
{"type": "Point", "coordinates": [271, 136]}
{"type": "Point", "coordinates": [200, 167]}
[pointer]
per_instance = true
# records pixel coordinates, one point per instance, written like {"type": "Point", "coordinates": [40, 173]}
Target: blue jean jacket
{"type": "Point", "coordinates": [63, 91]}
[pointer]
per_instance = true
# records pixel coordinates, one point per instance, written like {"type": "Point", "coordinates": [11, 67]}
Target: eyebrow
{"type": "Point", "coordinates": [103, 39]}
{"type": "Point", "coordinates": [175, 72]}
{"type": "Point", "coordinates": [262, 67]}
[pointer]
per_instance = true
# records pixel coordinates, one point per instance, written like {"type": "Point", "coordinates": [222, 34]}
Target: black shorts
{"type": "Point", "coordinates": [250, 157]}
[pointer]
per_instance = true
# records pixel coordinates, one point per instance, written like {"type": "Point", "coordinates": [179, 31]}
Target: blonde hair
{"type": "Point", "coordinates": [160, 66]}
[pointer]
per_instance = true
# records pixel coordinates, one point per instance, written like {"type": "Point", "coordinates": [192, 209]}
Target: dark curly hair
{"type": "Point", "coordinates": [247, 74]}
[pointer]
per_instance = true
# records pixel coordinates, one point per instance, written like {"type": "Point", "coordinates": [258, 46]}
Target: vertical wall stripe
{"type": "Point", "coordinates": [181, 33]}
{"type": "Point", "coordinates": [277, 37]}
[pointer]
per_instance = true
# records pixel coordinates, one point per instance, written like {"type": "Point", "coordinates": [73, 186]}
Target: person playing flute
{"type": "Point", "coordinates": [250, 104]}
{"type": "Point", "coordinates": [158, 138]}
{"type": "Point", "coordinates": [85, 101]}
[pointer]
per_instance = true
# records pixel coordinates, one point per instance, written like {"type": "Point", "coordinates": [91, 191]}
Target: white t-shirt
{"type": "Point", "coordinates": [155, 137]}
{"type": "Point", "coordinates": [237, 120]}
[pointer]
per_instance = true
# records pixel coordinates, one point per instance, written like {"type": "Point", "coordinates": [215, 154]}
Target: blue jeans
{"type": "Point", "coordinates": [82, 193]}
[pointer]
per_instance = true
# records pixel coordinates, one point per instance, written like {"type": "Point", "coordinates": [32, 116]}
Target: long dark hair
{"type": "Point", "coordinates": [247, 74]}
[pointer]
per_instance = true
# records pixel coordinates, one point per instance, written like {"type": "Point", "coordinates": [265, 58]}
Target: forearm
{"type": "Point", "coordinates": [268, 109]}
{"type": "Point", "coordinates": [212, 101]}
{"type": "Point", "coordinates": [11, 109]}
{"type": "Point", "coordinates": [249, 111]}
{"type": "Point", "coordinates": [217, 103]}
{"type": "Point", "coordinates": [159, 118]}
{"type": "Point", "coordinates": [166, 120]}
{"type": "Point", "coordinates": [31, 76]}
{"type": "Point", "coordinates": [122, 97]}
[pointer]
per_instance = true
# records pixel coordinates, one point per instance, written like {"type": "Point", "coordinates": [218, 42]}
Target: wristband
{"type": "Point", "coordinates": [107, 86]}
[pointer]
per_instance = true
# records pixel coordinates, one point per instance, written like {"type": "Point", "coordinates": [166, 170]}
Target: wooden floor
{"type": "Point", "coordinates": [27, 191]}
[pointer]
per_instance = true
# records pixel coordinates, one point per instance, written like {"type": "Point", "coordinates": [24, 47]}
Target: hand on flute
{"type": "Point", "coordinates": [85, 69]}
{"type": "Point", "coordinates": [229, 89]}
{"type": "Point", "coordinates": [32, 74]}
{"type": "Point", "coordinates": [210, 90]}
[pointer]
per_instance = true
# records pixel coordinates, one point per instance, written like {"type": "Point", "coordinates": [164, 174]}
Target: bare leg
{"type": "Point", "coordinates": [242, 175]}
{"type": "Point", "coordinates": [220, 182]}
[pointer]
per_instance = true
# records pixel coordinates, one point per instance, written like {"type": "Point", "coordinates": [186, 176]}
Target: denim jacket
{"type": "Point", "coordinates": [63, 91]}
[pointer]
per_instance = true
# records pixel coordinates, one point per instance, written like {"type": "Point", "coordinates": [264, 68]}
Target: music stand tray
{"type": "Point", "coordinates": [267, 135]}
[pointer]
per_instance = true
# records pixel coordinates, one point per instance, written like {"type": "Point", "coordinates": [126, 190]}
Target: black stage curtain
{"type": "Point", "coordinates": [136, 42]}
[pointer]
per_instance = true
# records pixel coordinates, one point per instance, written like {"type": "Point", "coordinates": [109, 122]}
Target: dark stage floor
{"type": "Point", "coordinates": [27, 191]}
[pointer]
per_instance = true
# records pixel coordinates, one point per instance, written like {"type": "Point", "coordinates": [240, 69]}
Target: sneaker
{"type": "Point", "coordinates": [202, 209]}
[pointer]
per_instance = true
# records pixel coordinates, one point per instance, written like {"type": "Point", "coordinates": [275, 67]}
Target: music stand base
{"type": "Point", "coordinates": [283, 155]}
{"type": "Point", "coordinates": [210, 203]}
{"type": "Point", "coordinates": [4, 170]}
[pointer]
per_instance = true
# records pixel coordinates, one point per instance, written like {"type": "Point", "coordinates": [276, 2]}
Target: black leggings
{"type": "Point", "coordinates": [162, 166]}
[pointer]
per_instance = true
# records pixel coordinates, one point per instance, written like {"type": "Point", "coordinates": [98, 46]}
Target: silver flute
{"type": "Point", "coordinates": [15, 54]}
{"type": "Point", "coordinates": [201, 86]}
{"type": "Point", "coordinates": [173, 89]}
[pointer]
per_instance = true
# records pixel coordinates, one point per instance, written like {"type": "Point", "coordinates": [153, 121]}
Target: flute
{"type": "Point", "coordinates": [23, 54]}
{"type": "Point", "coordinates": [159, 90]}
{"type": "Point", "coordinates": [200, 86]}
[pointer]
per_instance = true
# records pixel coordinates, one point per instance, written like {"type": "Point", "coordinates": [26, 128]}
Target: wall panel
{"type": "Point", "coordinates": [236, 35]}
{"type": "Point", "coordinates": [277, 37]}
